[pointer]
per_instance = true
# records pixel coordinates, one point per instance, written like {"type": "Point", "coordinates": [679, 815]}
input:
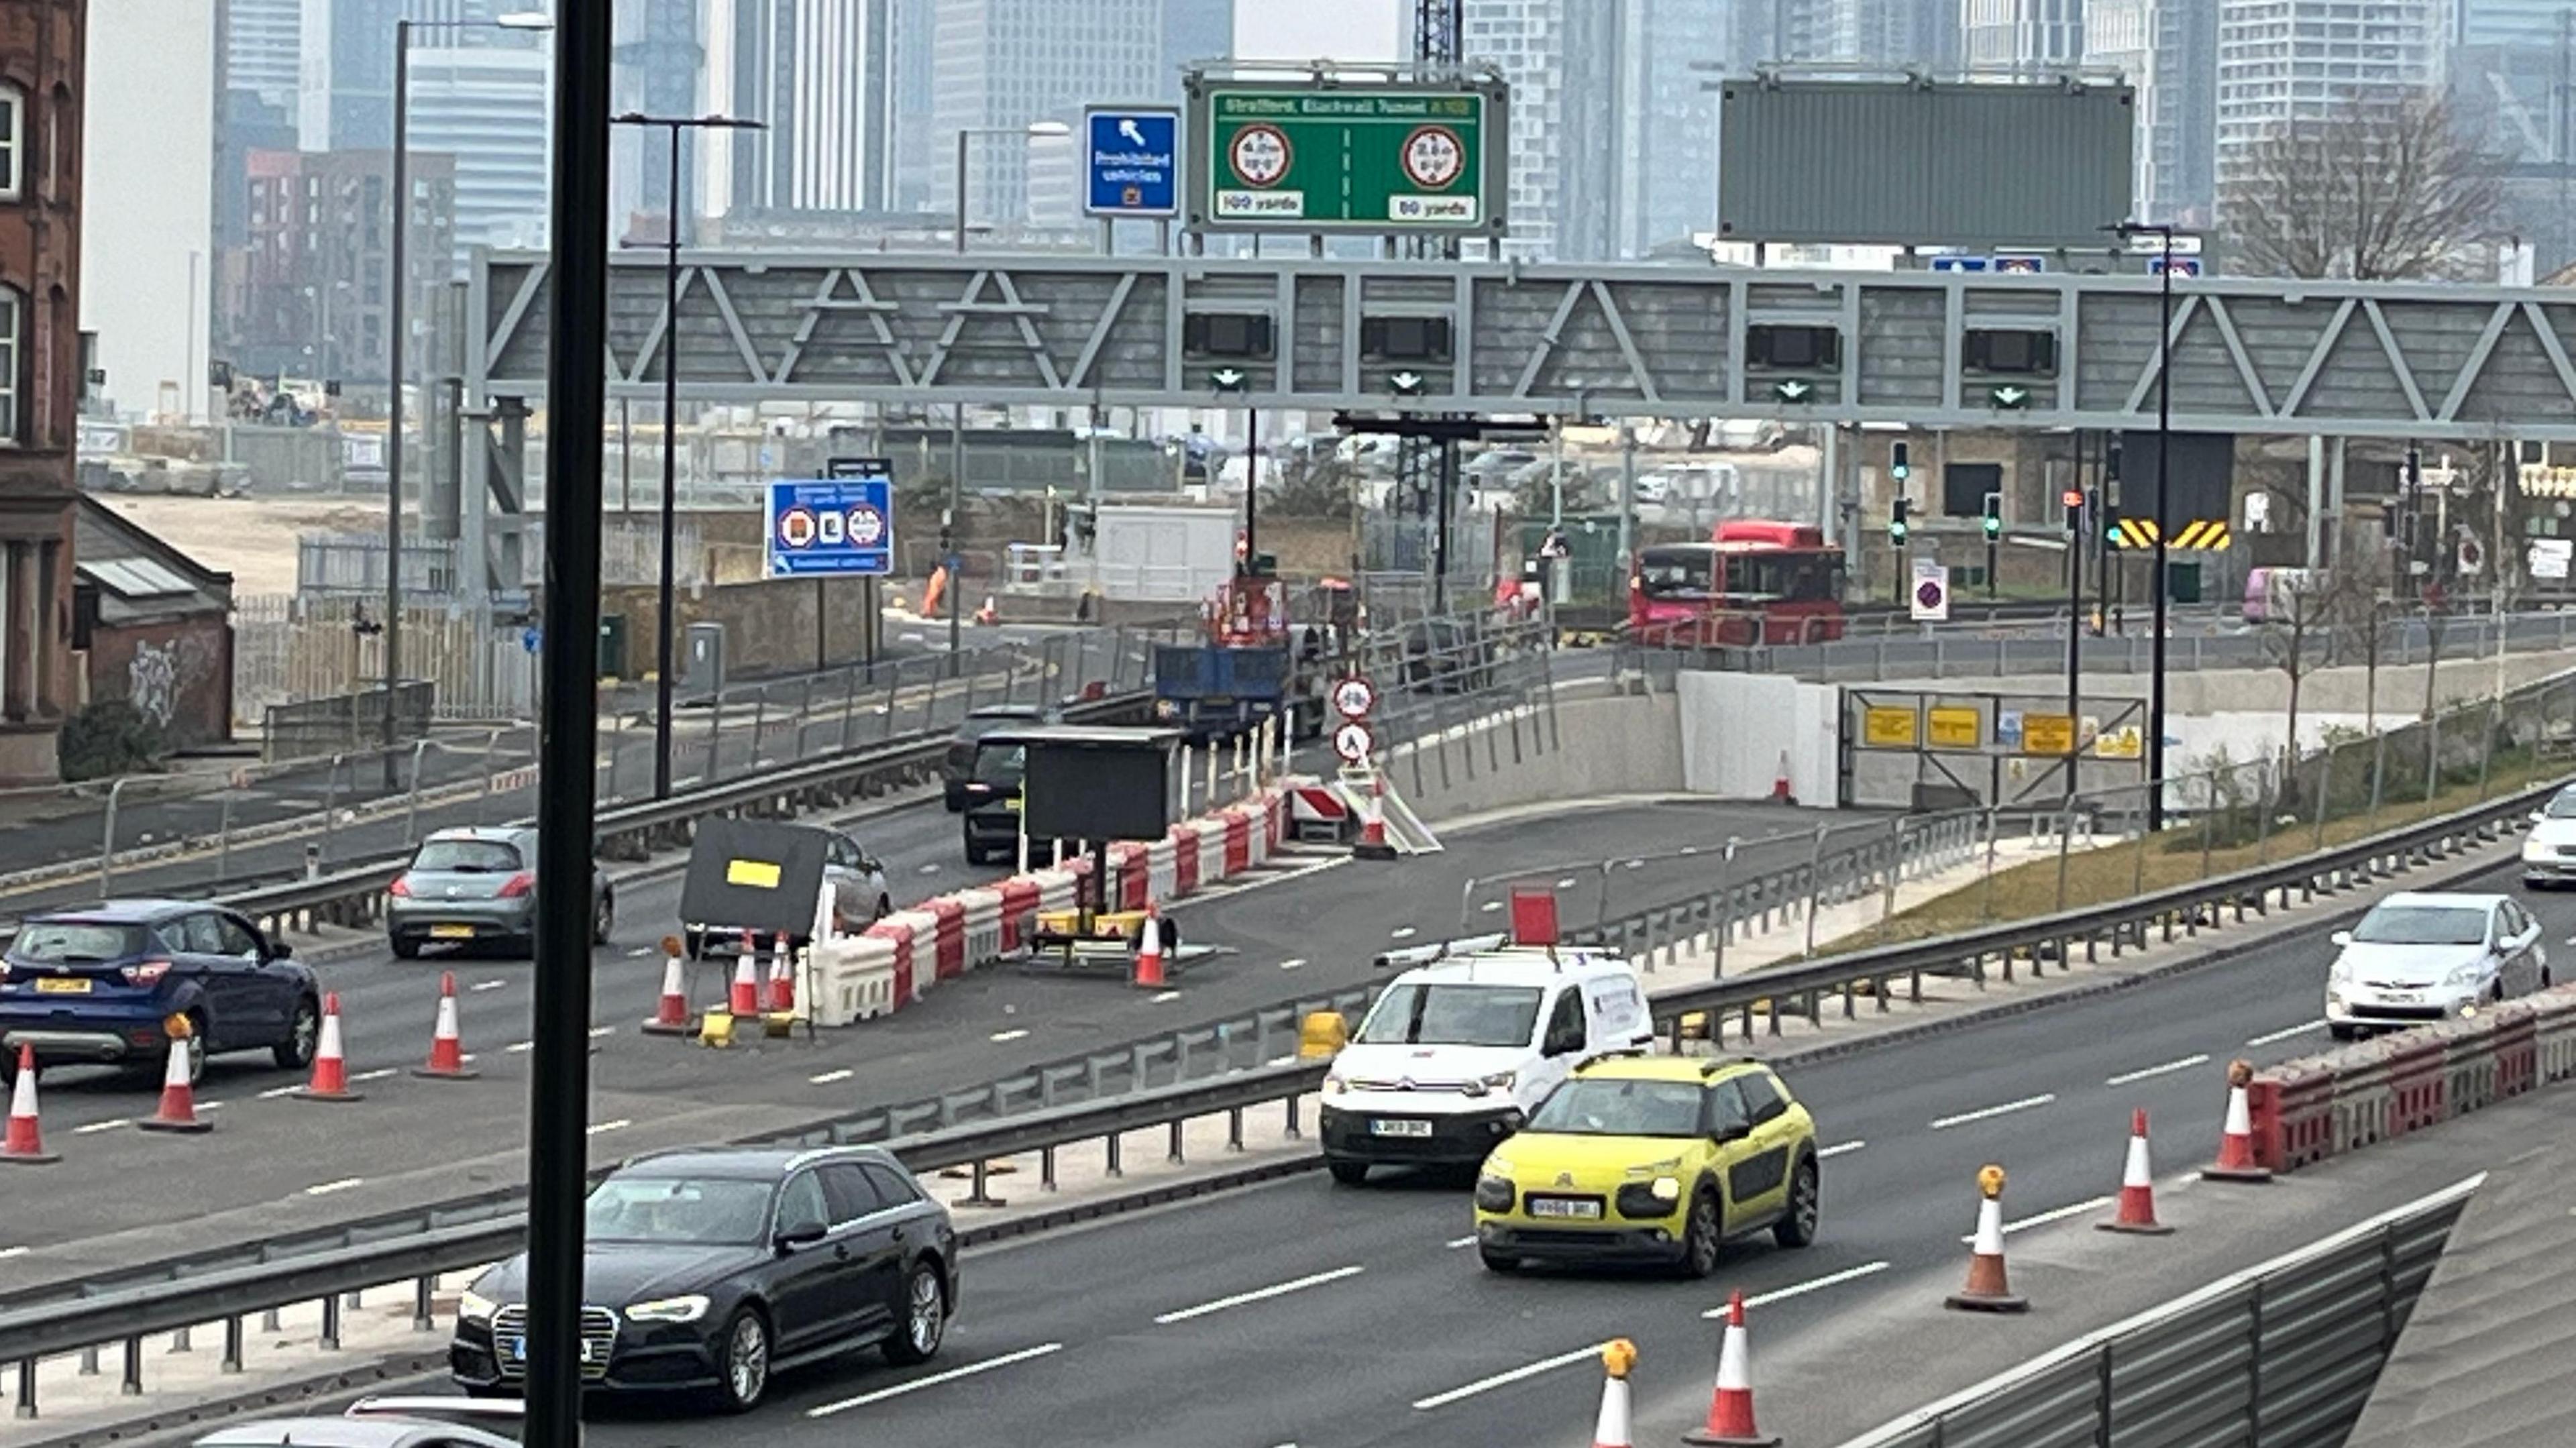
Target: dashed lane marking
{"type": "Point", "coordinates": [484, 985]}
{"type": "Point", "coordinates": [1454, 1243]}
{"type": "Point", "coordinates": [2185, 1064]}
{"type": "Point", "coordinates": [935, 1379]}
{"type": "Point", "coordinates": [520, 1048]}
{"type": "Point", "coordinates": [1003, 1037]}
{"type": "Point", "coordinates": [2301, 1029]}
{"type": "Point", "coordinates": [1169, 995]}
{"type": "Point", "coordinates": [602, 1128]}
{"type": "Point", "coordinates": [1258, 1294]}
{"type": "Point", "coordinates": [1783, 1294]}
{"type": "Point", "coordinates": [1296, 962]}
{"type": "Point", "coordinates": [2072, 1209]}
{"type": "Point", "coordinates": [1839, 1148]}
{"type": "Point", "coordinates": [95, 1127]}
{"type": "Point", "coordinates": [379, 1074]}
{"type": "Point", "coordinates": [1504, 1380]}
{"type": "Point", "coordinates": [327, 1188]}
{"type": "Point", "coordinates": [1401, 932]}
{"type": "Point", "coordinates": [1964, 1117]}
{"type": "Point", "coordinates": [828, 1078]}
{"type": "Point", "coordinates": [8, 1252]}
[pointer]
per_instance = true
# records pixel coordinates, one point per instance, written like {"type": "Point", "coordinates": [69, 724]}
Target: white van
{"type": "Point", "coordinates": [1456, 1054]}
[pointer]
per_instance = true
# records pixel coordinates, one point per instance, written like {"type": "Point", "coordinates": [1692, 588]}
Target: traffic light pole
{"type": "Point", "coordinates": [2074, 640]}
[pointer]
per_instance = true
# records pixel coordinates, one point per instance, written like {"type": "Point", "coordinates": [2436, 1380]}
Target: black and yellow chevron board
{"type": "Point", "coordinates": [2205, 535]}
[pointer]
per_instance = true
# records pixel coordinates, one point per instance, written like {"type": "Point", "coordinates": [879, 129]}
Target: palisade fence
{"type": "Point", "coordinates": [289, 649]}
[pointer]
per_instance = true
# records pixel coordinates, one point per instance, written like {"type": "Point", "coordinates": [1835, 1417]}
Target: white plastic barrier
{"type": "Point", "coordinates": [853, 979]}
{"type": "Point", "coordinates": [983, 926]}
{"type": "Point", "coordinates": [1162, 880]}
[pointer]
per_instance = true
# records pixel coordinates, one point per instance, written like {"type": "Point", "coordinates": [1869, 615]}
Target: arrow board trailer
{"type": "Point", "coordinates": [1094, 785]}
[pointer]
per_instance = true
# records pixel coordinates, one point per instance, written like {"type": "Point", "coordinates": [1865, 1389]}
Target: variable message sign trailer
{"type": "Point", "coordinates": [1095, 785]}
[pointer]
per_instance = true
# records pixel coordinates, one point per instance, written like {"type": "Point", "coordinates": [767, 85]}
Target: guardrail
{"type": "Point", "coordinates": [2291, 1348]}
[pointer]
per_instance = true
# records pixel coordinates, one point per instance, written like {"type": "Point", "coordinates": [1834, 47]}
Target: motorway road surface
{"type": "Point", "coordinates": [275, 1161]}
{"type": "Point", "coordinates": [1328, 1317]}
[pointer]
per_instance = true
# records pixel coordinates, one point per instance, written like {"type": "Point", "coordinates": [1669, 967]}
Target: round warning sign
{"type": "Point", "coordinates": [1353, 697]}
{"type": "Point", "coordinates": [1928, 592]}
{"type": "Point", "coordinates": [1259, 155]}
{"type": "Point", "coordinates": [1433, 157]}
{"type": "Point", "coordinates": [796, 528]}
{"type": "Point", "coordinates": [867, 527]}
{"type": "Point", "coordinates": [1353, 742]}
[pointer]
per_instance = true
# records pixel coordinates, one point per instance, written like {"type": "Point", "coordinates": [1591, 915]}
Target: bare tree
{"type": "Point", "coordinates": [2386, 186]}
{"type": "Point", "coordinates": [2357, 607]}
{"type": "Point", "coordinates": [2293, 618]}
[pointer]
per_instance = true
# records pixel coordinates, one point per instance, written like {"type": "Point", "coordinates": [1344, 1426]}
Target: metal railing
{"type": "Point", "coordinates": [2287, 1352]}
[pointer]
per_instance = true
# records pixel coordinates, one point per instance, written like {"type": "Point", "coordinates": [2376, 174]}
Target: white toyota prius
{"type": "Point", "coordinates": [2420, 957]}
{"type": "Point", "coordinates": [2549, 851]}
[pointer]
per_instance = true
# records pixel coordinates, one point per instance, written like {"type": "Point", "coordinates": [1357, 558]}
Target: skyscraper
{"type": "Point", "coordinates": [263, 49]}
{"type": "Point", "coordinates": [2168, 50]}
{"type": "Point", "coordinates": [2286, 60]}
{"type": "Point", "coordinates": [1000, 65]}
{"type": "Point", "coordinates": [2511, 22]}
{"type": "Point", "coordinates": [346, 75]}
{"type": "Point", "coordinates": [820, 74]}
{"type": "Point", "coordinates": [2021, 34]}
{"type": "Point", "coordinates": [491, 108]}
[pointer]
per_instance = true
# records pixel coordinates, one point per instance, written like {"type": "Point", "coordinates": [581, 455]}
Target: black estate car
{"type": "Point", "coordinates": [710, 1269]}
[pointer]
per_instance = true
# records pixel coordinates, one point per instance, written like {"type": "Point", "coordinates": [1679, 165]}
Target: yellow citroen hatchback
{"type": "Point", "coordinates": [1651, 1159]}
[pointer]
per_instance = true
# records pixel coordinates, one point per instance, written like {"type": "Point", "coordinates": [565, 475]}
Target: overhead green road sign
{"type": "Point", "coordinates": [1380, 158]}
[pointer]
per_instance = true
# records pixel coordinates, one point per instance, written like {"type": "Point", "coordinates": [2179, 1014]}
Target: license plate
{"type": "Point", "coordinates": [451, 932]}
{"type": "Point", "coordinates": [2402, 997]}
{"type": "Point", "coordinates": [1399, 1128]}
{"type": "Point", "coordinates": [62, 985]}
{"type": "Point", "coordinates": [1563, 1207]}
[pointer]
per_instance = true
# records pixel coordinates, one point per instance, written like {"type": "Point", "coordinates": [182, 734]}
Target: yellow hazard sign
{"type": "Point", "coordinates": [2125, 742]}
{"type": "Point", "coordinates": [2200, 535]}
{"type": "Point", "coordinates": [2048, 734]}
{"type": "Point", "coordinates": [2204, 534]}
{"type": "Point", "coordinates": [1883, 728]}
{"type": "Point", "coordinates": [756, 874]}
{"type": "Point", "coordinates": [1957, 727]}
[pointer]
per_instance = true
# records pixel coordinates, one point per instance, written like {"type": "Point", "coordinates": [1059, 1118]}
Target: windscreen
{"type": "Point", "coordinates": [1000, 765]}
{"type": "Point", "coordinates": [1620, 1108]}
{"type": "Point", "coordinates": [2563, 805]}
{"type": "Point", "coordinates": [693, 1211]}
{"type": "Point", "coordinates": [1677, 572]}
{"type": "Point", "coordinates": [1452, 1015]}
{"type": "Point", "coordinates": [1784, 577]}
{"type": "Point", "coordinates": [2422, 925]}
{"type": "Point", "coordinates": [470, 857]}
{"type": "Point", "coordinates": [76, 943]}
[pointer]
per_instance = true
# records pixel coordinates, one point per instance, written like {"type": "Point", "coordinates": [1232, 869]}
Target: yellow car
{"type": "Point", "coordinates": [1651, 1159]}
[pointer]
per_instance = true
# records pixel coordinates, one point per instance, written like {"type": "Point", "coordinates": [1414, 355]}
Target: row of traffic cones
{"type": "Point", "coordinates": [177, 1111]}
{"type": "Point", "coordinates": [748, 996]}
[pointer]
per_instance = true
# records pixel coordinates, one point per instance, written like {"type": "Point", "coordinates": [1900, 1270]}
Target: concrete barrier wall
{"type": "Point", "coordinates": [1621, 744]}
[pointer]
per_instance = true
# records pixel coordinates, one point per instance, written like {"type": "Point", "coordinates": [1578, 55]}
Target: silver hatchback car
{"type": "Point", "coordinates": [478, 886]}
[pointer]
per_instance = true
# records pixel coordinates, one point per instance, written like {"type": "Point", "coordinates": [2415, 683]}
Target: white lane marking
{"type": "Point", "coordinates": [639, 952]}
{"type": "Point", "coordinates": [484, 985]}
{"type": "Point", "coordinates": [1258, 1294]}
{"type": "Point", "coordinates": [218, 1106]}
{"type": "Point", "coordinates": [96, 1127]}
{"type": "Point", "coordinates": [598, 1031]}
{"type": "Point", "coordinates": [2301, 1029]}
{"type": "Point", "coordinates": [2185, 1064]}
{"type": "Point", "coordinates": [1503, 1380]}
{"type": "Point", "coordinates": [1566, 884]}
{"type": "Point", "coordinates": [2008, 1107]}
{"type": "Point", "coordinates": [1294, 962]}
{"type": "Point", "coordinates": [1454, 1243]}
{"type": "Point", "coordinates": [274, 1092]}
{"type": "Point", "coordinates": [1838, 1148]}
{"type": "Point", "coordinates": [1783, 1294]}
{"type": "Point", "coordinates": [327, 1188]}
{"type": "Point", "coordinates": [1401, 932]}
{"type": "Point", "coordinates": [935, 1379]}
{"type": "Point", "coordinates": [1490, 906]}
{"type": "Point", "coordinates": [2072, 1209]}
{"type": "Point", "coordinates": [8, 1252]}
{"type": "Point", "coordinates": [598, 1128]}
{"type": "Point", "coordinates": [999, 1037]}
{"type": "Point", "coordinates": [379, 1074]}
{"type": "Point", "coordinates": [521, 1048]}
{"type": "Point", "coordinates": [829, 1077]}
{"type": "Point", "coordinates": [1169, 995]}
{"type": "Point", "coordinates": [1632, 864]}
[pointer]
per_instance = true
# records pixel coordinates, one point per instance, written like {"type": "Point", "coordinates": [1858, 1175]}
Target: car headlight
{"type": "Point", "coordinates": [1495, 1193]}
{"type": "Point", "coordinates": [1665, 1189]}
{"type": "Point", "coordinates": [669, 1309]}
{"type": "Point", "coordinates": [1499, 1081]}
{"type": "Point", "coordinates": [2534, 850]}
{"type": "Point", "coordinates": [2467, 975]}
{"type": "Point", "coordinates": [472, 1306]}
{"type": "Point", "coordinates": [2342, 972]}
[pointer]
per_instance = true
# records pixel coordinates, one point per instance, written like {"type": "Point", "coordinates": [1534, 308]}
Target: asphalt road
{"type": "Point", "coordinates": [413, 1141]}
{"type": "Point", "coordinates": [1331, 1318]}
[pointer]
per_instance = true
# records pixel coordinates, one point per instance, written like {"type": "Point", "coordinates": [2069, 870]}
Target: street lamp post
{"type": "Point", "coordinates": [2164, 233]}
{"type": "Point", "coordinates": [671, 127]}
{"type": "Point", "coordinates": [398, 324]}
{"type": "Point", "coordinates": [957, 438]}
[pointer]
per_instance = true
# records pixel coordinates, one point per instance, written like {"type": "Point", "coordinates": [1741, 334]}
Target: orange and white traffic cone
{"type": "Point", "coordinates": [178, 1109]}
{"type": "Point", "coordinates": [1987, 1289]}
{"type": "Point", "coordinates": [988, 614]}
{"type": "Point", "coordinates": [1149, 950]}
{"type": "Point", "coordinates": [671, 1016]}
{"type": "Point", "coordinates": [447, 1042]}
{"type": "Point", "coordinates": [2137, 1187]}
{"type": "Point", "coordinates": [1780, 783]}
{"type": "Point", "coordinates": [330, 1060]}
{"type": "Point", "coordinates": [744, 1003]}
{"type": "Point", "coordinates": [2236, 1143]}
{"type": "Point", "coordinates": [1730, 1408]}
{"type": "Point", "coordinates": [25, 1144]}
{"type": "Point", "coordinates": [1616, 1427]}
{"type": "Point", "coordinates": [1372, 844]}
{"type": "Point", "coordinates": [782, 980]}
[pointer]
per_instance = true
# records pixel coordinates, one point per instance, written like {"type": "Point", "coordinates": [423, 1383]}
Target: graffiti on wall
{"type": "Point", "coordinates": [152, 681]}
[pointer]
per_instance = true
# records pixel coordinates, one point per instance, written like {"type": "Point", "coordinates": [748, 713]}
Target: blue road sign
{"type": "Point", "coordinates": [827, 527]}
{"type": "Point", "coordinates": [2184, 266]}
{"type": "Point", "coordinates": [1132, 162]}
{"type": "Point", "coordinates": [532, 638]}
{"type": "Point", "coordinates": [2021, 265]}
{"type": "Point", "coordinates": [1960, 263]}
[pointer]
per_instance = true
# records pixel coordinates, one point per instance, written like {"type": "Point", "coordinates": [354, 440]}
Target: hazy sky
{"type": "Point", "coordinates": [1312, 29]}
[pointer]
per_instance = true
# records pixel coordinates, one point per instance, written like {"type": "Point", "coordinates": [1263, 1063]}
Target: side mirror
{"type": "Point", "coordinates": [2341, 937]}
{"type": "Point", "coordinates": [1726, 1135]}
{"type": "Point", "coordinates": [280, 950]}
{"type": "Point", "coordinates": [801, 1234]}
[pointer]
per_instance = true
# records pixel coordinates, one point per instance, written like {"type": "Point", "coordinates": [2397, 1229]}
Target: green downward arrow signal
{"type": "Point", "coordinates": [2010, 396]}
{"type": "Point", "coordinates": [1793, 390]}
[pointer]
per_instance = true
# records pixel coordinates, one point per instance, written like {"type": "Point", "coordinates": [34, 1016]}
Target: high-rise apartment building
{"type": "Point", "coordinates": [2281, 61]}
{"type": "Point", "coordinates": [2511, 22]}
{"type": "Point", "coordinates": [263, 49]}
{"type": "Point", "coordinates": [2021, 34]}
{"type": "Point", "coordinates": [317, 275]}
{"type": "Point", "coordinates": [490, 109]}
{"type": "Point", "coordinates": [1001, 65]}
{"type": "Point", "coordinates": [819, 74]}
{"type": "Point", "coordinates": [2168, 50]}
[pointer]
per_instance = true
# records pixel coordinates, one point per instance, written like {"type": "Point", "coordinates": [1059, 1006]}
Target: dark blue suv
{"type": "Point", "coordinates": [101, 985]}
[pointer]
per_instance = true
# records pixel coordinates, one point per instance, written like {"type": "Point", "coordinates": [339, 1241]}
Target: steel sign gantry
{"type": "Point", "coordinates": [2278, 357]}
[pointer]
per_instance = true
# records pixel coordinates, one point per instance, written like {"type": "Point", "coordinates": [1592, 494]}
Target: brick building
{"type": "Point", "coordinates": [41, 61]}
{"type": "Point", "coordinates": [310, 293]}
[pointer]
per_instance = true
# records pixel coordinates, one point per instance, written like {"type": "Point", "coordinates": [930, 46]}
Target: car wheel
{"type": "Point", "coordinates": [2342, 1032]}
{"type": "Point", "coordinates": [925, 1319]}
{"type": "Point", "coordinates": [603, 919]}
{"type": "Point", "coordinates": [1348, 1173]}
{"type": "Point", "coordinates": [1508, 1266]}
{"type": "Point", "coordinates": [1704, 1235]}
{"type": "Point", "coordinates": [404, 949]}
{"type": "Point", "coordinates": [1798, 1227]}
{"type": "Point", "coordinates": [303, 1035]}
{"type": "Point", "coordinates": [746, 1361]}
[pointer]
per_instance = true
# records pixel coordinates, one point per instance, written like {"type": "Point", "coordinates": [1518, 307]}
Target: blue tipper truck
{"type": "Point", "coordinates": [1244, 668]}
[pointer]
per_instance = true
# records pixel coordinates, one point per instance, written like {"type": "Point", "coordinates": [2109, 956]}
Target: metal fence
{"type": "Point", "coordinates": [2285, 1355]}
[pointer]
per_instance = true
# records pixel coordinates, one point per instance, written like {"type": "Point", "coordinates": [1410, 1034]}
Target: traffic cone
{"type": "Point", "coordinates": [1730, 1409]}
{"type": "Point", "coordinates": [988, 613]}
{"type": "Point", "coordinates": [178, 1109]}
{"type": "Point", "coordinates": [1614, 1429]}
{"type": "Point", "coordinates": [782, 979]}
{"type": "Point", "coordinates": [745, 1002]}
{"type": "Point", "coordinates": [2137, 1187]}
{"type": "Point", "coordinates": [671, 1017]}
{"type": "Point", "coordinates": [1373, 845]}
{"type": "Point", "coordinates": [447, 1043]}
{"type": "Point", "coordinates": [1149, 950]}
{"type": "Point", "coordinates": [1780, 783]}
{"type": "Point", "coordinates": [330, 1061]}
{"type": "Point", "coordinates": [2236, 1143]}
{"type": "Point", "coordinates": [1987, 1289]}
{"type": "Point", "coordinates": [24, 1143]}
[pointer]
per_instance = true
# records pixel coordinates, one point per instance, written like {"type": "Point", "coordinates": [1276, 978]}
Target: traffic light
{"type": "Point", "coordinates": [1994, 516]}
{"type": "Point", "coordinates": [2111, 459]}
{"type": "Point", "coordinates": [1896, 524]}
{"type": "Point", "coordinates": [1897, 466]}
{"type": "Point", "coordinates": [2073, 498]}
